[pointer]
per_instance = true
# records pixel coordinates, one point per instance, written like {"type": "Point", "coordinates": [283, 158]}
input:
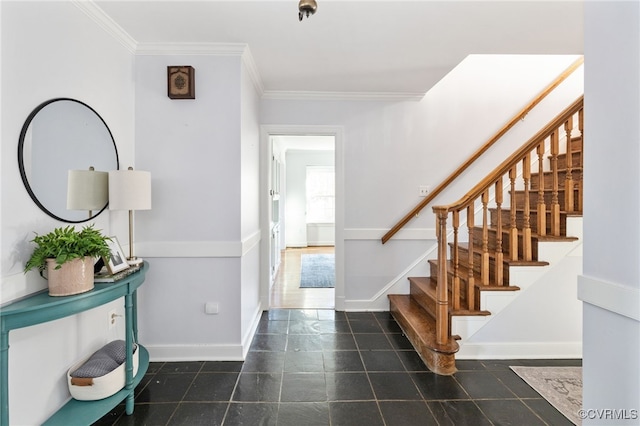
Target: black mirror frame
{"type": "Point", "coordinates": [23, 173]}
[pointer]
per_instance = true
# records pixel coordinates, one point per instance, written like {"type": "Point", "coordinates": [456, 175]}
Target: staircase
{"type": "Point", "coordinates": [506, 216]}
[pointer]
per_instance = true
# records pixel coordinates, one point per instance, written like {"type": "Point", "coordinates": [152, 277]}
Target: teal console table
{"type": "Point", "coordinates": [40, 308]}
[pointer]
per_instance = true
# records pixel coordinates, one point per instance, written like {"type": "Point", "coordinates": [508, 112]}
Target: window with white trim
{"type": "Point", "coordinates": [321, 198]}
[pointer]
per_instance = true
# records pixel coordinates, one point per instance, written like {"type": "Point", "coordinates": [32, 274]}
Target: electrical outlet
{"type": "Point", "coordinates": [211, 308]}
{"type": "Point", "coordinates": [112, 319]}
{"type": "Point", "coordinates": [423, 190]}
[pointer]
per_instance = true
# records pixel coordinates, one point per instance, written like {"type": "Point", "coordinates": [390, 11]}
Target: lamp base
{"type": "Point", "coordinates": [135, 261]}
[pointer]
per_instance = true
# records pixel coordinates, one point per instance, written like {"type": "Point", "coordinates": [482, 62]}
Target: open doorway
{"type": "Point", "coordinates": [302, 247]}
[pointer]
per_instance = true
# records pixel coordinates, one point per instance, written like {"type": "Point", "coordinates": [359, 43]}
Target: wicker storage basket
{"type": "Point", "coordinates": [103, 386]}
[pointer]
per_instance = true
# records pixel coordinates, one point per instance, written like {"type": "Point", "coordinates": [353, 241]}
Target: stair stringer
{"type": "Point", "coordinates": [565, 260]}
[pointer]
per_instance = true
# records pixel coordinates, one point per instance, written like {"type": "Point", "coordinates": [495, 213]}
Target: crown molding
{"type": "Point", "coordinates": [229, 49]}
{"type": "Point", "coordinates": [252, 69]}
{"type": "Point", "coordinates": [207, 49]}
{"type": "Point", "coordinates": [105, 22]}
{"type": "Point", "coordinates": [342, 96]}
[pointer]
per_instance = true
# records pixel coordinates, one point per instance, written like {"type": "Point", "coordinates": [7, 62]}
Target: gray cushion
{"type": "Point", "coordinates": [103, 361]}
{"type": "Point", "coordinates": [115, 350]}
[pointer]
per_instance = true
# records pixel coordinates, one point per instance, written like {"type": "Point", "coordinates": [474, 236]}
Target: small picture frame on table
{"type": "Point", "coordinates": [116, 261]}
{"type": "Point", "coordinates": [181, 82]}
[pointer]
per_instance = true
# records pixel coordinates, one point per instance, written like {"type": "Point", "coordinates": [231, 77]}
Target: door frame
{"type": "Point", "coordinates": [266, 153]}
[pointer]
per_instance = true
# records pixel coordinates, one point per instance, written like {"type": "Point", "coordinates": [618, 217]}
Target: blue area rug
{"type": "Point", "coordinates": [317, 271]}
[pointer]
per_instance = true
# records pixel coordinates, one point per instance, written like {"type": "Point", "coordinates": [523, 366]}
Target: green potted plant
{"type": "Point", "coordinates": [68, 256]}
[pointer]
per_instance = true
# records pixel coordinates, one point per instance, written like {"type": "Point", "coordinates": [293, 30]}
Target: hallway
{"type": "Point", "coordinates": [286, 292]}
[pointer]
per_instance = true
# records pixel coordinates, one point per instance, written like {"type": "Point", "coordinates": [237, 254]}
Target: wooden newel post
{"type": "Point", "coordinates": [442, 308]}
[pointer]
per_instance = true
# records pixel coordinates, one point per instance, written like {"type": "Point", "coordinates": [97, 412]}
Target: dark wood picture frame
{"type": "Point", "coordinates": [181, 82]}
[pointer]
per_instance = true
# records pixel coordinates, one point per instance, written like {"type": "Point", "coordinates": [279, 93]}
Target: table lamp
{"type": "Point", "coordinates": [87, 190]}
{"type": "Point", "coordinates": [130, 190]}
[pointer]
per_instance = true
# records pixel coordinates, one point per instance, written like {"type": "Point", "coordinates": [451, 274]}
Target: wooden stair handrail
{"type": "Point", "coordinates": [519, 116]}
{"type": "Point", "coordinates": [520, 238]}
{"type": "Point", "coordinates": [515, 158]}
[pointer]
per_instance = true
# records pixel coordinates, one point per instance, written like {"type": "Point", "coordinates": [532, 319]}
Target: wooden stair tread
{"type": "Point", "coordinates": [521, 210]}
{"type": "Point", "coordinates": [564, 169]}
{"type": "Point", "coordinates": [422, 281]}
{"type": "Point", "coordinates": [420, 328]}
{"type": "Point", "coordinates": [556, 238]}
{"type": "Point", "coordinates": [469, 313]}
{"type": "Point", "coordinates": [547, 175]}
{"type": "Point", "coordinates": [463, 269]}
{"type": "Point", "coordinates": [497, 287]}
{"type": "Point", "coordinates": [423, 326]}
{"type": "Point", "coordinates": [509, 262]}
{"type": "Point", "coordinates": [534, 235]}
{"type": "Point", "coordinates": [560, 169]}
{"type": "Point", "coordinates": [428, 286]}
{"type": "Point", "coordinates": [423, 291]}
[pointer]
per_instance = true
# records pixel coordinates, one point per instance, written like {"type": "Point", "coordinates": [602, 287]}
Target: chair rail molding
{"type": "Point", "coordinates": [205, 248]}
{"type": "Point", "coordinates": [620, 299]}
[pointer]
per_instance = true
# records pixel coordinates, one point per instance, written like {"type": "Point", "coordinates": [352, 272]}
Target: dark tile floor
{"type": "Point", "coordinates": [320, 367]}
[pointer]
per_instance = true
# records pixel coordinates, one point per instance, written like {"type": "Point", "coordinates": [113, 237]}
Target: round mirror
{"type": "Point", "coordinates": [60, 135]}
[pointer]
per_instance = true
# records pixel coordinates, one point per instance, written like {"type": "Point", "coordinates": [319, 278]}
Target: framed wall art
{"type": "Point", "coordinates": [116, 261]}
{"type": "Point", "coordinates": [181, 83]}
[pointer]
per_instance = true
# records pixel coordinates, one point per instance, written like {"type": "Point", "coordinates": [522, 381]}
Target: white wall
{"type": "Point", "coordinates": [295, 197]}
{"type": "Point", "coordinates": [321, 234]}
{"type": "Point", "coordinates": [202, 235]}
{"type": "Point", "coordinates": [49, 50]}
{"type": "Point", "coordinates": [198, 238]}
{"type": "Point", "coordinates": [250, 207]}
{"type": "Point", "coordinates": [610, 286]}
{"type": "Point", "coordinates": [393, 147]}
{"type": "Point", "coordinates": [541, 320]}
{"type": "Point", "coordinates": [192, 149]}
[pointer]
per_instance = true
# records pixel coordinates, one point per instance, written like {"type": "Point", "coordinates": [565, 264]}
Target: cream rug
{"type": "Point", "coordinates": [560, 386]}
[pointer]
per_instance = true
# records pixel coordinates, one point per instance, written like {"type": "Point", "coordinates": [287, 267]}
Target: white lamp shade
{"type": "Point", "coordinates": [87, 190]}
{"type": "Point", "coordinates": [129, 190]}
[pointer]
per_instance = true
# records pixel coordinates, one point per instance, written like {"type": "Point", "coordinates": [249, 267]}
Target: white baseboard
{"type": "Point", "coordinates": [321, 243]}
{"type": "Point", "coordinates": [251, 331]}
{"type": "Point", "coordinates": [377, 305]}
{"type": "Point", "coordinates": [297, 244]}
{"type": "Point", "coordinates": [340, 304]}
{"type": "Point", "coordinates": [520, 350]}
{"type": "Point", "coordinates": [174, 353]}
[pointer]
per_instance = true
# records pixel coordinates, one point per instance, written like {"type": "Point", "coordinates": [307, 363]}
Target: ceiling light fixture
{"type": "Point", "coordinates": [307, 7]}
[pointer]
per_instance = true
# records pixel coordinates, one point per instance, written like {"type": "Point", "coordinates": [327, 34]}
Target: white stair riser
{"type": "Point", "coordinates": [522, 276]}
